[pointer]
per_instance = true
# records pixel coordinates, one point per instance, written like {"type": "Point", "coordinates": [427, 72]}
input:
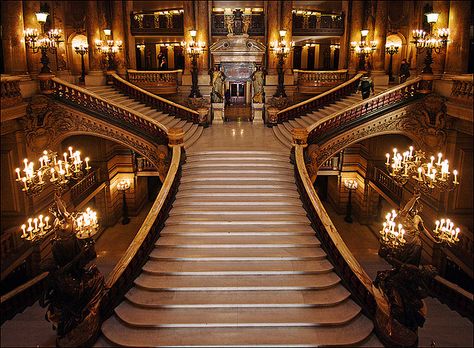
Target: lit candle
{"type": "Point", "coordinates": [457, 233]}
{"type": "Point", "coordinates": [18, 174]}
{"type": "Point", "coordinates": [455, 172]}
{"type": "Point", "coordinates": [24, 183]}
{"type": "Point", "coordinates": [87, 162]}
{"type": "Point", "coordinates": [60, 163]}
{"type": "Point", "coordinates": [25, 161]}
{"type": "Point", "coordinates": [23, 227]}
{"type": "Point", "coordinates": [30, 220]}
{"type": "Point", "coordinates": [78, 154]}
{"type": "Point", "coordinates": [437, 226]}
{"type": "Point", "coordinates": [419, 173]}
{"type": "Point", "coordinates": [433, 175]}
{"type": "Point", "coordinates": [35, 220]}
{"type": "Point", "coordinates": [432, 160]}
{"type": "Point", "coordinates": [439, 158]}
{"type": "Point", "coordinates": [46, 220]}
{"type": "Point", "coordinates": [65, 157]}
{"type": "Point", "coordinates": [53, 177]}
{"type": "Point", "coordinates": [41, 161]}
{"type": "Point", "coordinates": [67, 168]}
{"type": "Point", "coordinates": [40, 175]}
{"type": "Point", "coordinates": [411, 152]}
{"type": "Point", "coordinates": [70, 151]}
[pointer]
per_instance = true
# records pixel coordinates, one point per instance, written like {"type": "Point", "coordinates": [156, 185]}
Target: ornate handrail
{"type": "Point", "coordinates": [346, 265]}
{"type": "Point", "coordinates": [10, 91]}
{"type": "Point", "coordinates": [315, 78]}
{"type": "Point", "coordinates": [320, 100]}
{"type": "Point", "coordinates": [129, 266]}
{"type": "Point", "coordinates": [394, 97]}
{"type": "Point", "coordinates": [85, 186]}
{"type": "Point", "coordinates": [109, 111]}
{"type": "Point", "coordinates": [462, 88]}
{"type": "Point", "coordinates": [21, 297]}
{"type": "Point", "coordinates": [388, 185]}
{"type": "Point", "coordinates": [154, 101]}
{"type": "Point", "coordinates": [157, 82]}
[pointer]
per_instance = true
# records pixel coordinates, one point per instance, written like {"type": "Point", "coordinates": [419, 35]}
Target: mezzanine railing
{"type": "Point", "coordinates": [157, 82]}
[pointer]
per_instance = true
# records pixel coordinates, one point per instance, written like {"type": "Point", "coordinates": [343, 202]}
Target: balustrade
{"type": "Point", "coordinates": [462, 89]}
{"type": "Point", "coordinates": [320, 78]}
{"type": "Point", "coordinates": [154, 101]}
{"type": "Point", "coordinates": [158, 82]}
{"type": "Point", "coordinates": [85, 186]}
{"type": "Point", "coordinates": [10, 91]}
{"type": "Point", "coordinates": [385, 182]}
{"type": "Point", "coordinates": [319, 101]}
{"type": "Point", "coordinates": [395, 97]}
{"type": "Point", "coordinates": [317, 24]}
{"type": "Point", "coordinates": [144, 165]}
{"type": "Point", "coordinates": [163, 22]}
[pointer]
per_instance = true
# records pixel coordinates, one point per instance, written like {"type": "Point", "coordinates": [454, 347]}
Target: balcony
{"type": "Point", "coordinates": [163, 22]}
{"type": "Point", "coordinates": [317, 24]}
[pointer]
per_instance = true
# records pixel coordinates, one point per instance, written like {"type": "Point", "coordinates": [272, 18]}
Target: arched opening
{"type": "Point", "coordinates": [75, 59]}
{"type": "Point", "coordinates": [397, 40]}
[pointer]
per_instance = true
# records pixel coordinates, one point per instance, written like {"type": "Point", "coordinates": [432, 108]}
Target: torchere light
{"type": "Point", "coordinates": [109, 48]}
{"type": "Point", "coordinates": [363, 48]}
{"type": "Point", "coordinates": [351, 185]}
{"type": "Point", "coordinates": [281, 48]}
{"type": "Point", "coordinates": [82, 48]}
{"type": "Point", "coordinates": [194, 49]}
{"type": "Point", "coordinates": [391, 49]}
{"type": "Point", "coordinates": [122, 186]}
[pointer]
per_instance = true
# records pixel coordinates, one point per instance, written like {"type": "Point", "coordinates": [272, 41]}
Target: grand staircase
{"type": "Point", "coordinates": [282, 131]}
{"type": "Point", "coordinates": [192, 132]}
{"type": "Point", "coordinates": [238, 264]}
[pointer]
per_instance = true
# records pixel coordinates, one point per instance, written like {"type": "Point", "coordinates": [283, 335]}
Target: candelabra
{"type": "Point", "coordinates": [109, 48]}
{"type": "Point", "coordinates": [44, 42]}
{"type": "Point", "coordinates": [351, 185]}
{"type": "Point", "coordinates": [431, 41]}
{"type": "Point", "coordinates": [391, 49]}
{"type": "Point", "coordinates": [60, 173]}
{"type": "Point", "coordinates": [426, 175]}
{"type": "Point", "coordinates": [82, 49]}
{"type": "Point", "coordinates": [363, 48]}
{"type": "Point", "coordinates": [123, 186]}
{"type": "Point", "coordinates": [194, 49]}
{"type": "Point", "coordinates": [281, 48]}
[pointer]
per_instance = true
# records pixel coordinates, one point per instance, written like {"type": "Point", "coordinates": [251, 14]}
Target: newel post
{"type": "Point", "coordinates": [176, 138]}
{"type": "Point", "coordinates": [300, 137]}
{"type": "Point", "coordinates": [45, 82]}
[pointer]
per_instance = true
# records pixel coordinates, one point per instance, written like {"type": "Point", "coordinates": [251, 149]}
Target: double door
{"type": "Point", "coordinates": [237, 92]}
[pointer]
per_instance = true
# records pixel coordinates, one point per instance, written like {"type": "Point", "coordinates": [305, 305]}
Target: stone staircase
{"type": "Point", "coordinates": [192, 132]}
{"type": "Point", "coordinates": [238, 264]}
{"type": "Point", "coordinates": [282, 131]}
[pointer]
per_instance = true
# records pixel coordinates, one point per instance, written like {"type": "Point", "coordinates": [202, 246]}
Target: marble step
{"type": "Point", "coordinates": [262, 172]}
{"type": "Point", "coordinates": [238, 219]}
{"type": "Point", "coordinates": [236, 193]}
{"type": "Point", "coordinates": [237, 317]}
{"type": "Point", "coordinates": [237, 283]}
{"type": "Point", "coordinates": [238, 210]}
{"type": "Point", "coordinates": [264, 185]}
{"type": "Point", "coordinates": [218, 178]}
{"type": "Point", "coordinates": [235, 152]}
{"type": "Point", "coordinates": [265, 202]}
{"type": "Point", "coordinates": [214, 268]}
{"type": "Point", "coordinates": [281, 138]}
{"type": "Point", "coordinates": [237, 164]}
{"type": "Point", "coordinates": [350, 333]}
{"type": "Point", "coordinates": [242, 230]}
{"type": "Point", "coordinates": [237, 241]}
{"type": "Point", "coordinates": [249, 158]}
{"type": "Point", "coordinates": [189, 140]}
{"type": "Point", "coordinates": [238, 254]}
{"type": "Point", "coordinates": [241, 299]}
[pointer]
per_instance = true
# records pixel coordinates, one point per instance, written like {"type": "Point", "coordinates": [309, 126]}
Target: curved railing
{"type": "Point", "coordinates": [320, 100]}
{"type": "Point", "coordinates": [154, 101]}
{"type": "Point", "coordinates": [129, 266]}
{"type": "Point", "coordinates": [346, 265]}
{"type": "Point", "coordinates": [315, 78]}
{"type": "Point", "coordinates": [109, 111]}
{"type": "Point", "coordinates": [394, 97]}
{"type": "Point", "coordinates": [158, 82]}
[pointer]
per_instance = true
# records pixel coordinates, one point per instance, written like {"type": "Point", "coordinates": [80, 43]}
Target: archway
{"type": "Point", "coordinates": [398, 40]}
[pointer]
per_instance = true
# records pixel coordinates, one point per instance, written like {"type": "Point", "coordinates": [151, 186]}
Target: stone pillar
{"type": "Point", "coordinates": [118, 32]}
{"type": "Point", "coordinates": [59, 19]}
{"type": "Point", "coordinates": [380, 36]}
{"type": "Point", "coordinates": [129, 40]}
{"type": "Point", "coordinates": [457, 55]}
{"type": "Point", "coordinates": [415, 62]}
{"type": "Point", "coordinates": [95, 75]}
{"type": "Point", "coordinates": [442, 7]}
{"type": "Point", "coordinates": [29, 17]}
{"type": "Point", "coordinates": [202, 27]}
{"type": "Point", "coordinates": [188, 20]}
{"type": "Point", "coordinates": [272, 33]}
{"type": "Point", "coordinates": [357, 21]}
{"type": "Point", "coordinates": [14, 50]}
{"type": "Point", "coordinates": [287, 24]}
{"type": "Point", "coordinates": [344, 50]}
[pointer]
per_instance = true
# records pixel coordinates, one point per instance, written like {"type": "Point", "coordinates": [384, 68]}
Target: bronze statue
{"type": "Point", "coordinates": [73, 290]}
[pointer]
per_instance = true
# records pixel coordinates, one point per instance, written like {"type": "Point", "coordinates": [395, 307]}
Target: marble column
{"type": "Point", "coordinates": [188, 20]}
{"type": "Point", "coordinates": [14, 50]}
{"type": "Point", "coordinates": [29, 16]}
{"type": "Point", "coordinates": [357, 21]}
{"type": "Point", "coordinates": [272, 33]}
{"type": "Point", "coordinates": [202, 27]}
{"type": "Point", "coordinates": [61, 58]}
{"type": "Point", "coordinates": [379, 76]}
{"type": "Point", "coordinates": [287, 24]}
{"type": "Point", "coordinates": [439, 59]}
{"type": "Point", "coordinates": [118, 32]}
{"type": "Point", "coordinates": [95, 75]}
{"type": "Point", "coordinates": [457, 55]}
{"type": "Point", "coordinates": [129, 39]}
{"type": "Point", "coordinates": [344, 50]}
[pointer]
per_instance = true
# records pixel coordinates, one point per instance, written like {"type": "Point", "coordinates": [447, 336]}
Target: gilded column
{"type": "Point", "coordinates": [457, 55]}
{"type": "Point", "coordinates": [14, 51]}
{"type": "Point", "coordinates": [344, 43]}
{"type": "Point", "coordinates": [29, 16]}
{"type": "Point", "coordinates": [202, 27]}
{"type": "Point", "coordinates": [93, 33]}
{"type": "Point", "coordinates": [357, 21]}
{"type": "Point", "coordinates": [287, 24]}
{"type": "Point", "coordinates": [380, 35]}
{"type": "Point", "coordinates": [129, 40]}
{"type": "Point", "coordinates": [439, 59]}
{"type": "Point", "coordinates": [118, 33]}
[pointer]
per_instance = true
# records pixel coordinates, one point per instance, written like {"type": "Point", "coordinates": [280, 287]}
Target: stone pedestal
{"type": "Point", "coordinates": [257, 112]}
{"type": "Point", "coordinates": [95, 78]}
{"type": "Point", "coordinates": [272, 118]}
{"type": "Point", "coordinates": [203, 116]}
{"type": "Point", "coordinates": [218, 113]}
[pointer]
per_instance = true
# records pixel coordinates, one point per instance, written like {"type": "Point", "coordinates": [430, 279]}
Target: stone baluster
{"type": "Point", "coordinates": [14, 50]}
{"type": "Point", "coordinates": [457, 55]}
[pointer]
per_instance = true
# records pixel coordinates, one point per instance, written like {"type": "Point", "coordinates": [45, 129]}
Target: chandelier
{"type": "Point", "coordinates": [109, 48]}
{"type": "Point", "coordinates": [60, 172]}
{"type": "Point", "coordinates": [427, 174]}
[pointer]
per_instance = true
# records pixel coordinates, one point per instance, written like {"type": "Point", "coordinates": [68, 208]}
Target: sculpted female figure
{"type": "Point", "coordinates": [218, 79]}
{"type": "Point", "coordinates": [257, 78]}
